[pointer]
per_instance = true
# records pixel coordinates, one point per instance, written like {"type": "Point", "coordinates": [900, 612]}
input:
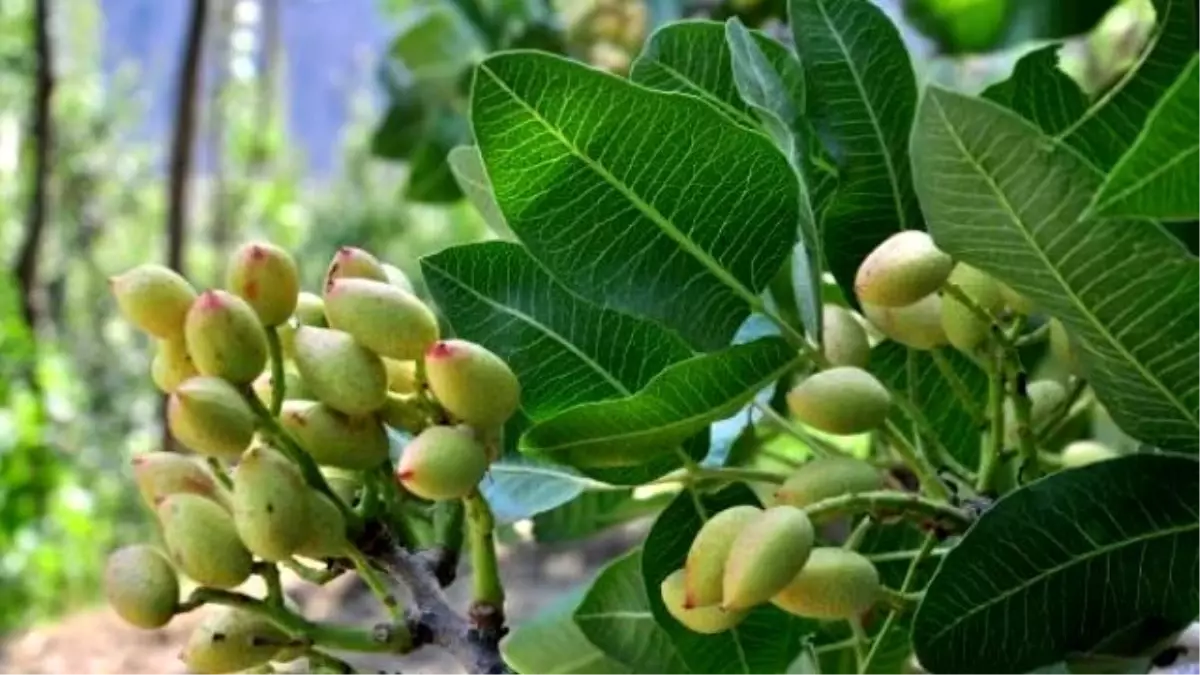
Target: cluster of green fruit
{"type": "Point", "coordinates": [364, 354]}
{"type": "Point", "coordinates": [745, 556]}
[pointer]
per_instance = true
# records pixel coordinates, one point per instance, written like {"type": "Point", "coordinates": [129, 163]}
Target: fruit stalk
{"type": "Point", "coordinates": [485, 572]}
{"type": "Point", "coordinates": [1022, 407]}
{"type": "Point", "coordinates": [320, 634]}
{"type": "Point", "coordinates": [278, 378]}
{"type": "Point", "coordinates": [954, 290]}
{"type": "Point", "coordinates": [890, 622]}
{"type": "Point", "coordinates": [989, 461]}
{"type": "Point", "coordinates": [889, 503]}
{"type": "Point", "coordinates": [378, 588]}
{"type": "Point", "coordinates": [270, 576]}
{"type": "Point", "coordinates": [218, 469]}
{"type": "Point", "coordinates": [917, 461]}
{"type": "Point", "coordinates": [819, 446]}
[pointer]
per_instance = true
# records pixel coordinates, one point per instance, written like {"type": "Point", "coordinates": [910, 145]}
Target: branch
{"type": "Point", "coordinates": [183, 135]}
{"type": "Point", "coordinates": [887, 504]}
{"type": "Point", "coordinates": [436, 622]}
{"type": "Point", "coordinates": [27, 259]}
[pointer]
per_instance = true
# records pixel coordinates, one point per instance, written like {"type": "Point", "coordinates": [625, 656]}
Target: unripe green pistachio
{"type": "Point", "coordinates": [340, 372]}
{"type": "Point", "coordinates": [906, 267]}
{"type": "Point", "coordinates": [354, 263]}
{"type": "Point", "coordinates": [344, 482]}
{"type": "Point", "coordinates": [844, 340]}
{"type": "Point", "coordinates": [293, 387]}
{"type": "Point", "coordinates": [326, 529]}
{"type": "Point", "coordinates": [834, 584]}
{"type": "Point", "coordinates": [1082, 453]}
{"type": "Point", "coordinates": [1061, 348]}
{"type": "Point", "coordinates": [141, 586]}
{"type": "Point", "coordinates": [404, 412]}
{"type": "Point", "coordinates": [840, 401]}
{"type": "Point", "coordinates": [229, 640]}
{"type": "Point", "coordinates": [153, 298]}
{"type": "Point", "coordinates": [1045, 398]}
{"type": "Point", "coordinates": [402, 376]}
{"type": "Point", "coordinates": [918, 325]}
{"type": "Point", "coordinates": [826, 477]}
{"type": "Point", "coordinates": [225, 337]}
{"type": "Point", "coordinates": [270, 504]}
{"type": "Point", "coordinates": [265, 276]}
{"type": "Point", "coordinates": [161, 474]}
{"type": "Point", "coordinates": [172, 364]}
{"type": "Point", "coordinates": [383, 318]}
{"type": "Point", "coordinates": [705, 566]}
{"type": "Point", "coordinates": [331, 438]}
{"type": "Point", "coordinates": [766, 556]}
{"type": "Point", "coordinates": [472, 383]}
{"type": "Point", "coordinates": [397, 278]}
{"type": "Point", "coordinates": [706, 620]}
{"type": "Point", "coordinates": [202, 541]}
{"type": "Point", "coordinates": [1015, 301]}
{"type": "Point", "coordinates": [310, 310]}
{"type": "Point", "coordinates": [208, 415]}
{"type": "Point", "coordinates": [965, 330]}
{"type": "Point", "coordinates": [443, 462]}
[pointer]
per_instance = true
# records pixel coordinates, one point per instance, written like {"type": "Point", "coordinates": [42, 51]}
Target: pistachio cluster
{"type": "Point", "coordinates": [745, 556]}
{"type": "Point", "coordinates": [272, 385]}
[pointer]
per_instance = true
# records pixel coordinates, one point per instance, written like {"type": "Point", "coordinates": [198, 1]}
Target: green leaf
{"type": "Point", "coordinates": [434, 44]}
{"type": "Point", "coordinates": [467, 168]}
{"type": "Point", "coordinates": [1064, 564]}
{"type": "Point", "coordinates": [519, 487]}
{"type": "Point", "coordinates": [1039, 90]}
{"type": "Point", "coordinates": [1001, 196]}
{"type": "Point", "coordinates": [1157, 178]}
{"type": "Point", "coordinates": [766, 641]}
{"type": "Point", "coordinates": [649, 202]}
{"type": "Point", "coordinates": [679, 402]}
{"type": "Point", "coordinates": [429, 177]}
{"type": "Point", "coordinates": [938, 397]}
{"type": "Point", "coordinates": [403, 125]}
{"type": "Point", "coordinates": [861, 97]}
{"type": "Point", "coordinates": [592, 512]}
{"type": "Point", "coordinates": [551, 643]}
{"type": "Point", "coordinates": [564, 350]}
{"type": "Point", "coordinates": [615, 616]}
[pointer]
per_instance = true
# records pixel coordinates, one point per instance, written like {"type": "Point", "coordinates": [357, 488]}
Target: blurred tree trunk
{"type": "Point", "coordinates": [26, 268]}
{"type": "Point", "coordinates": [268, 83]}
{"type": "Point", "coordinates": [220, 227]}
{"type": "Point", "coordinates": [182, 142]}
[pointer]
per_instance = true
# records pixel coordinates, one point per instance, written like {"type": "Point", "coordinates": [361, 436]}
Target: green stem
{"type": "Point", "coordinates": [332, 636]}
{"type": "Point", "coordinates": [980, 312]}
{"type": "Point", "coordinates": [860, 643]}
{"type": "Point", "coordinates": [858, 534]}
{"type": "Point", "coordinates": [313, 576]}
{"type": "Point", "coordinates": [1063, 415]}
{"type": "Point", "coordinates": [485, 571]}
{"type": "Point", "coordinates": [989, 461]}
{"type": "Point", "coordinates": [930, 433]}
{"type": "Point", "coordinates": [1034, 336]}
{"type": "Point", "coordinates": [887, 504]}
{"type": "Point", "coordinates": [278, 379]}
{"type": "Point", "coordinates": [917, 462]}
{"type": "Point", "coordinates": [1022, 410]}
{"type": "Point", "coordinates": [818, 445]}
{"type": "Point", "coordinates": [218, 469]}
{"type": "Point", "coordinates": [270, 576]}
{"type": "Point", "coordinates": [899, 601]}
{"type": "Point", "coordinates": [270, 426]}
{"type": "Point", "coordinates": [894, 556]}
{"type": "Point", "coordinates": [321, 662]}
{"type": "Point", "coordinates": [727, 474]}
{"type": "Point", "coordinates": [909, 577]}
{"type": "Point", "coordinates": [378, 588]}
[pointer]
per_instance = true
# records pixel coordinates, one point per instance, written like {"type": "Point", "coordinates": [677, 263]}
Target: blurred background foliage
{"type": "Point", "coordinates": [76, 400]}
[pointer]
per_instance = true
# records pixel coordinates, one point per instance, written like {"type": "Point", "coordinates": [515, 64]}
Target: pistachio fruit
{"type": "Point", "coordinates": [443, 462]}
{"type": "Point", "coordinates": [331, 438]}
{"type": "Point", "coordinates": [826, 477]}
{"type": "Point", "coordinates": [345, 483]}
{"type": "Point", "coordinates": [473, 384]}
{"type": "Point", "coordinates": [766, 556]}
{"type": "Point", "coordinates": [161, 474]}
{"type": "Point", "coordinates": [229, 640]}
{"type": "Point", "coordinates": [844, 340]}
{"type": "Point", "coordinates": [208, 415]}
{"type": "Point", "coordinates": [705, 566]}
{"type": "Point", "coordinates": [354, 263]}
{"type": "Point", "coordinates": [339, 371]}
{"type": "Point", "coordinates": [265, 276]}
{"type": "Point", "coordinates": [225, 338]}
{"type": "Point", "coordinates": [1045, 398]}
{"type": "Point", "coordinates": [964, 328]}
{"type": "Point", "coordinates": [1015, 301]}
{"type": "Point", "coordinates": [293, 387]}
{"type": "Point", "coordinates": [270, 504]}
{"type": "Point", "coordinates": [153, 298]}
{"type": "Point", "coordinates": [833, 584]}
{"type": "Point", "coordinates": [202, 541]}
{"type": "Point", "coordinates": [141, 586]}
{"type": "Point", "coordinates": [397, 278]}
{"type": "Point", "coordinates": [310, 310]}
{"type": "Point", "coordinates": [326, 529]}
{"type": "Point", "coordinates": [172, 364]}
{"type": "Point", "coordinates": [906, 267]}
{"type": "Point", "coordinates": [918, 325]}
{"type": "Point", "coordinates": [1082, 453]}
{"type": "Point", "coordinates": [841, 400]}
{"type": "Point", "coordinates": [383, 318]}
{"type": "Point", "coordinates": [707, 620]}
{"type": "Point", "coordinates": [401, 375]}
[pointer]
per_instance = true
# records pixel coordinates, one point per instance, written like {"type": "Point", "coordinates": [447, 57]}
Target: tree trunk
{"type": "Point", "coordinates": [26, 268]}
{"type": "Point", "coordinates": [220, 227]}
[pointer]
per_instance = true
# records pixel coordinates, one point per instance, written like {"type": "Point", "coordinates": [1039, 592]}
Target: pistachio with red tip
{"type": "Point", "coordinates": [766, 555]}
{"type": "Point", "coordinates": [705, 565]}
{"type": "Point", "coordinates": [265, 276]}
{"type": "Point", "coordinates": [354, 263]}
{"type": "Point", "coordinates": [472, 383]}
{"type": "Point", "coordinates": [383, 318]}
{"type": "Point", "coordinates": [141, 586]}
{"type": "Point", "coordinates": [708, 620]}
{"type": "Point", "coordinates": [161, 474]}
{"type": "Point", "coordinates": [154, 298]}
{"type": "Point", "coordinates": [225, 337]}
{"type": "Point", "coordinates": [443, 462]}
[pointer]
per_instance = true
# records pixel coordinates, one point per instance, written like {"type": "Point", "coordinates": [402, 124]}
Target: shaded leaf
{"type": "Point", "coordinates": [592, 512]}
{"type": "Point", "coordinates": [467, 168]}
{"type": "Point", "coordinates": [679, 402]}
{"type": "Point", "coordinates": [935, 394]}
{"type": "Point", "coordinates": [766, 641]}
{"type": "Point", "coordinates": [1001, 196]}
{"type": "Point", "coordinates": [520, 487]}
{"type": "Point", "coordinates": [434, 44]}
{"type": "Point", "coordinates": [1157, 178]}
{"type": "Point", "coordinates": [683, 217]}
{"type": "Point", "coordinates": [564, 350]}
{"type": "Point", "coordinates": [429, 177]}
{"type": "Point", "coordinates": [615, 616]}
{"type": "Point", "coordinates": [551, 643]}
{"type": "Point", "coordinates": [1065, 563]}
{"type": "Point", "coordinates": [861, 97]}
{"type": "Point", "coordinates": [1039, 90]}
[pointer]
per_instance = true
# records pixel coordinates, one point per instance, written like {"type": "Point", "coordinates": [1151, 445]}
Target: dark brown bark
{"type": "Point", "coordinates": [26, 267]}
{"type": "Point", "coordinates": [183, 136]}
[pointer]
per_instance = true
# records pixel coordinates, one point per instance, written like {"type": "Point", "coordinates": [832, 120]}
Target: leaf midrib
{"type": "Point", "coordinates": [1179, 529]}
{"type": "Point", "coordinates": [734, 114]}
{"type": "Point", "coordinates": [1037, 249]}
{"type": "Point", "coordinates": [554, 335]}
{"type": "Point", "coordinates": [902, 217]}
{"type": "Point", "coordinates": [592, 440]}
{"type": "Point", "coordinates": [649, 211]}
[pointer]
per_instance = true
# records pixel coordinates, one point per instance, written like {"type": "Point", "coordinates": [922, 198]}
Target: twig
{"type": "Point", "coordinates": [270, 576]}
{"type": "Point", "coordinates": [1022, 410]}
{"type": "Point", "coordinates": [314, 576]}
{"type": "Point", "coordinates": [378, 587]}
{"type": "Point", "coordinates": [322, 662]}
{"type": "Point", "coordinates": [887, 504]}
{"type": "Point", "coordinates": [278, 379]}
{"type": "Point", "coordinates": [893, 556]}
{"type": "Point", "coordinates": [989, 461]}
{"type": "Point", "coordinates": [218, 470]}
{"type": "Point", "coordinates": [1034, 336]}
{"type": "Point", "coordinates": [818, 445]}
{"type": "Point", "coordinates": [917, 462]}
{"type": "Point", "coordinates": [909, 577]}
{"type": "Point", "coordinates": [954, 290]}
{"type": "Point", "coordinates": [485, 572]}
